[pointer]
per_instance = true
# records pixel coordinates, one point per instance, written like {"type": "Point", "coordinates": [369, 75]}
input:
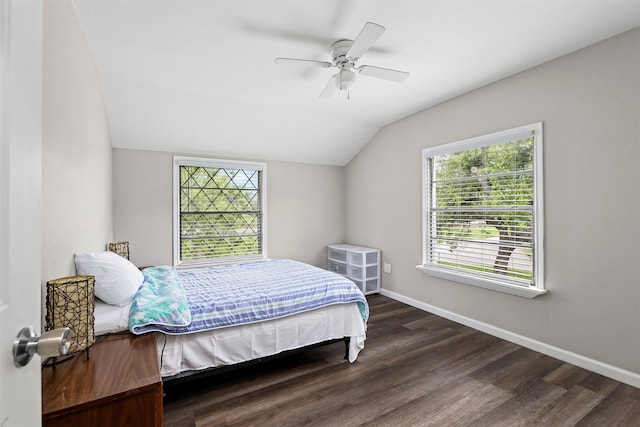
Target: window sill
{"type": "Point", "coordinates": [521, 291]}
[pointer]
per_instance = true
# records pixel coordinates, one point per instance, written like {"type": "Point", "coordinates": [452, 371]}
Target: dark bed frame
{"type": "Point", "coordinates": [183, 377]}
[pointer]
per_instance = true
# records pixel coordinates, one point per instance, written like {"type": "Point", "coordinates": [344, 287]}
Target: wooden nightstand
{"type": "Point", "coordinates": [120, 385]}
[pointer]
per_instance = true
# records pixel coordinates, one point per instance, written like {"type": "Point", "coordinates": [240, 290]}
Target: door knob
{"type": "Point", "coordinates": [49, 344]}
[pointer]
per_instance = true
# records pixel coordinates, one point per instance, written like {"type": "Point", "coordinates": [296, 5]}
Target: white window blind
{"type": "Point", "coordinates": [218, 211]}
{"type": "Point", "coordinates": [482, 209]}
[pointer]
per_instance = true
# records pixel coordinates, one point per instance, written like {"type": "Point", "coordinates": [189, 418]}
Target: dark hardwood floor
{"type": "Point", "coordinates": [417, 369]}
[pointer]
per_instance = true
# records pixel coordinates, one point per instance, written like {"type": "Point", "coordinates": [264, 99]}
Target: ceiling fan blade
{"type": "Point", "coordinates": [367, 37]}
{"type": "Point", "coordinates": [303, 62]}
{"type": "Point", "coordinates": [383, 73]}
{"type": "Point", "coordinates": [330, 87]}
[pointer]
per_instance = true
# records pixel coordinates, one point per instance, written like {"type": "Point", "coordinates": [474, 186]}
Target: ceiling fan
{"type": "Point", "coordinates": [345, 54]}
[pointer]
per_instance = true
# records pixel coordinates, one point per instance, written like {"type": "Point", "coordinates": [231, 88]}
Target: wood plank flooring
{"type": "Point", "coordinates": [417, 369]}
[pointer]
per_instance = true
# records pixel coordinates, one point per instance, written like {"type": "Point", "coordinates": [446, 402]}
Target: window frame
{"type": "Point", "coordinates": [179, 161]}
{"type": "Point", "coordinates": [467, 276]}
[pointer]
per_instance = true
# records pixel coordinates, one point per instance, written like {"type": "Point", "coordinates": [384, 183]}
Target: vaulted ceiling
{"type": "Point", "coordinates": [199, 76]}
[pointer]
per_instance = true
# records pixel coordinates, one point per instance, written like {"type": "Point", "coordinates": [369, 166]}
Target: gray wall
{"type": "Point", "coordinates": [77, 189]}
{"type": "Point", "coordinates": [589, 102]}
{"type": "Point", "coordinates": [305, 207]}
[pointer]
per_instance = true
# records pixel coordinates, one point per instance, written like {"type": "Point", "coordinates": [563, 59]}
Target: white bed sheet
{"type": "Point", "coordinates": [237, 344]}
{"type": "Point", "coordinates": [110, 319]}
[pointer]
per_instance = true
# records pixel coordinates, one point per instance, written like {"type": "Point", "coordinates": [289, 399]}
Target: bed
{"type": "Point", "coordinates": [210, 318]}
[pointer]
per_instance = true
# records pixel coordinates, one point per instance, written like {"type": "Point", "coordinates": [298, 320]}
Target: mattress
{"type": "Point", "coordinates": [231, 345]}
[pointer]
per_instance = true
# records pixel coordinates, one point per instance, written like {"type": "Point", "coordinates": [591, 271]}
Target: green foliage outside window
{"type": "Point", "coordinates": [220, 212]}
{"type": "Point", "coordinates": [481, 194]}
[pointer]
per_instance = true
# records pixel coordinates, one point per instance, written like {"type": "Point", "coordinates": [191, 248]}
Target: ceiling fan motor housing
{"type": "Point", "coordinates": [346, 64]}
{"type": "Point", "coordinates": [339, 53]}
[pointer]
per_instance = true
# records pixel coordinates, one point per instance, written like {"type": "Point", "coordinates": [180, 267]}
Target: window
{"type": "Point", "coordinates": [482, 201]}
{"type": "Point", "coordinates": [219, 211]}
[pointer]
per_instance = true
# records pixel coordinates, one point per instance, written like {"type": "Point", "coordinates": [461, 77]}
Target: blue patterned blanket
{"type": "Point", "coordinates": [191, 300]}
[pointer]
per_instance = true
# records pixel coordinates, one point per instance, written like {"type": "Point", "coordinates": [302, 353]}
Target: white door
{"type": "Point", "coordinates": [20, 198]}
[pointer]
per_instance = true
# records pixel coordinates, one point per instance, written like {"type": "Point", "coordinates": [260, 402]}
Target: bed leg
{"type": "Point", "coordinates": [347, 340]}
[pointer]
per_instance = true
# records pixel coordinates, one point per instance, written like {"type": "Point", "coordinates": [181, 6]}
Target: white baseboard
{"type": "Point", "coordinates": [618, 374]}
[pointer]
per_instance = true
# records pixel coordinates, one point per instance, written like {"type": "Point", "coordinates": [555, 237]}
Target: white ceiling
{"type": "Point", "coordinates": [198, 76]}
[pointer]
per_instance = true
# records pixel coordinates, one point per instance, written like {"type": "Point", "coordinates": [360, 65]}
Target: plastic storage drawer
{"type": "Point", "coordinates": [338, 254]}
{"type": "Point", "coordinates": [362, 257]}
{"type": "Point", "coordinates": [337, 267]}
{"type": "Point", "coordinates": [368, 287]}
{"type": "Point", "coordinates": [358, 272]}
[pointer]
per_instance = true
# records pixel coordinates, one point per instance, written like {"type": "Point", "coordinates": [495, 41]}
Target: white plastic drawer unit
{"type": "Point", "coordinates": [361, 265]}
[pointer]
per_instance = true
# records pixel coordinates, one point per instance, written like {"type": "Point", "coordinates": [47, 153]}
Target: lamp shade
{"type": "Point", "coordinates": [70, 303]}
{"type": "Point", "coordinates": [121, 248]}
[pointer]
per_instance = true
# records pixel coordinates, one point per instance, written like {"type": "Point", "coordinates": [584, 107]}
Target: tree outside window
{"type": "Point", "coordinates": [481, 208]}
{"type": "Point", "coordinates": [220, 212]}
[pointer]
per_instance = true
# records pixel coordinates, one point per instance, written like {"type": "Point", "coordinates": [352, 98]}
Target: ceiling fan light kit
{"type": "Point", "coordinates": [344, 55]}
{"type": "Point", "coordinates": [346, 79]}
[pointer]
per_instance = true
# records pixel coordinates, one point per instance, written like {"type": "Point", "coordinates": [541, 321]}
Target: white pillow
{"type": "Point", "coordinates": [116, 279]}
